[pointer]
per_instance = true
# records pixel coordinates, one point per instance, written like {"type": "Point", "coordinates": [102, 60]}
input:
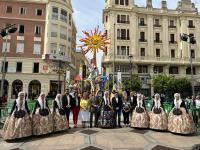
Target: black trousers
{"type": "Point", "coordinates": [118, 114]}
{"type": "Point", "coordinates": [96, 115]}
{"type": "Point", "coordinates": [67, 110]}
{"type": "Point", "coordinates": [126, 117]}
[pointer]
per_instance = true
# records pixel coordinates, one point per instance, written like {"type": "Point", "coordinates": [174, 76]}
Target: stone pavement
{"type": "Point", "coordinates": [104, 139]}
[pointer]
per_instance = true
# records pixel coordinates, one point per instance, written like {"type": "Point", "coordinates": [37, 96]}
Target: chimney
{"type": "Point", "coordinates": [149, 3]}
{"type": "Point", "coordinates": [164, 4]}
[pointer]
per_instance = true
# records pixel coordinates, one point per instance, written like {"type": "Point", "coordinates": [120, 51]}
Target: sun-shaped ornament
{"type": "Point", "coordinates": [93, 42]}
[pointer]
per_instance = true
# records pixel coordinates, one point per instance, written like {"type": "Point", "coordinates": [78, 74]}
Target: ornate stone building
{"type": "Point", "coordinates": [152, 37]}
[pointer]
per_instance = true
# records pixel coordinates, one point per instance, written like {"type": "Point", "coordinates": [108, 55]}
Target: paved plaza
{"type": "Point", "coordinates": [105, 139]}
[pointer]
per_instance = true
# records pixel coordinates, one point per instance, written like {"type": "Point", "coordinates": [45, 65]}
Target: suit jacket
{"type": "Point", "coordinates": [37, 105]}
{"type": "Point", "coordinates": [65, 102]}
{"type": "Point", "coordinates": [182, 105]}
{"type": "Point", "coordinates": [73, 102]}
{"type": "Point", "coordinates": [15, 107]}
{"type": "Point", "coordinates": [96, 100]}
{"type": "Point", "coordinates": [133, 103]}
{"type": "Point", "coordinates": [117, 105]}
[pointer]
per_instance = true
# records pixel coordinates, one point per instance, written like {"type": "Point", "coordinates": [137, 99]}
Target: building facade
{"type": "Point", "coordinates": [148, 39]}
{"type": "Point", "coordinates": [41, 45]}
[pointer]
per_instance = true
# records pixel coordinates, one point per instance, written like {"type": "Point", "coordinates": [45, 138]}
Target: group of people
{"type": "Point", "coordinates": [104, 108]}
{"type": "Point", "coordinates": [21, 123]}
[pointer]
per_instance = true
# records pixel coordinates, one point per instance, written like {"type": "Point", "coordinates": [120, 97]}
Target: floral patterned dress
{"type": "Point", "coordinates": [158, 117]}
{"type": "Point", "coordinates": [42, 123]}
{"type": "Point", "coordinates": [140, 117]}
{"type": "Point", "coordinates": [179, 121]}
{"type": "Point", "coordinates": [17, 127]}
{"type": "Point", "coordinates": [60, 122]}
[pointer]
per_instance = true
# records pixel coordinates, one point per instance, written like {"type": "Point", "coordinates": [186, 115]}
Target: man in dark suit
{"type": "Point", "coordinates": [133, 101]}
{"type": "Point", "coordinates": [67, 103]}
{"type": "Point", "coordinates": [117, 106]}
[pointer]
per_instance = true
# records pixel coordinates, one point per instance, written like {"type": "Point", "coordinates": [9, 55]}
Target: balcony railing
{"type": "Point", "coordinates": [163, 59]}
{"type": "Point", "coordinates": [158, 41]}
{"type": "Point", "coordinates": [157, 25]}
{"type": "Point", "coordinates": [172, 26]}
{"type": "Point", "coordinates": [56, 57]}
{"type": "Point", "coordinates": [172, 42]}
{"type": "Point", "coordinates": [123, 21]}
{"type": "Point", "coordinates": [123, 38]}
{"type": "Point", "coordinates": [142, 24]}
{"type": "Point", "coordinates": [191, 26]}
{"type": "Point", "coordinates": [142, 40]}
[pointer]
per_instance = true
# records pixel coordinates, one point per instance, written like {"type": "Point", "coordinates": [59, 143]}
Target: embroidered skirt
{"type": "Point", "coordinates": [140, 120]}
{"type": "Point", "coordinates": [158, 121]}
{"type": "Point", "coordinates": [42, 124]}
{"type": "Point", "coordinates": [15, 128]}
{"type": "Point", "coordinates": [60, 122]}
{"type": "Point", "coordinates": [182, 124]}
{"type": "Point", "coordinates": [106, 119]}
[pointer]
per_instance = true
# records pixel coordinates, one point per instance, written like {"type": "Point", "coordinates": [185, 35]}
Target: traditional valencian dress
{"type": "Point", "coordinates": [106, 119]}
{"type": "Point", "coordinates": [179, 121]}
{"type": "Point", "coordinates": [158, 117]}
{"type": "Point", "coordinates": [18, 124]}
{"type": "Point", "coordinates": [140, 118]}
{"type": "Point", "coordinates": [59, 116]}
{"type": "Point", "coordinates": [42, 119]}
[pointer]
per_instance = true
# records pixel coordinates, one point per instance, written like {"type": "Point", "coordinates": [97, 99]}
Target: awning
{"type": "Point", "coordinates": [77, 78]}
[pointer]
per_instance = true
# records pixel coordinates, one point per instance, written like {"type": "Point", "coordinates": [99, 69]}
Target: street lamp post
{"type": "Point", "coordinates": [59, 69]}
{"type": "Point", "coordinates": [114, 55]}
{"type": "Point", "coordinates": [4, 33]}
{"type": "Point", "coordinates": [191, 40]}
{"type": "Point", "coordinates": [131, 67]}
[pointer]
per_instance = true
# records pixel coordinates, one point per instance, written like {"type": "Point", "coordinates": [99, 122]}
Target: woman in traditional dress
{"type": "Point", "coordinates": [42, 118]}
{"type": "Point", "coordinates": [18, 124]}
{"type": "Point", "coordinates": [60, 122]}
{"type": "Point", "coordinates": [158, 117]}
{"type": "Point", "coordinates": [84, 109]}
{"type": "Point", "coordinates": [106, 119]}
{"type": "Point", "coordinates": [179, 121]}
{"type": "Point", "coordinates": [140, 118]}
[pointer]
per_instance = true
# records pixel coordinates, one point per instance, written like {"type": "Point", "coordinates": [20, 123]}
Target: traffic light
{"type": "Point", "coordinates": [192, 40]}
{"type": "Point", "coordinates": [7, 30]}
{"type": "Point", "coordinates": [84, 73]}
{"type": "Point", "coordinates": [184, 37]}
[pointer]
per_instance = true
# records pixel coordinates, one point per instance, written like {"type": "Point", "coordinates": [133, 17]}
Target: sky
{"type": "Point", "coordinates": [88, 15]}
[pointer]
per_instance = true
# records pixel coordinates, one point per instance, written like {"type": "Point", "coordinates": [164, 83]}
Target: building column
{"type": "Point", "coordinates": [152, 70]}
{"type": "Point", "coordinates": [45, 87]}
{"type": "Point", "coordinates": [25, 87]}
{"type": "Point", "coordinates": [151, 81]}
{"type": "Point", "coordinates": [166, 69]}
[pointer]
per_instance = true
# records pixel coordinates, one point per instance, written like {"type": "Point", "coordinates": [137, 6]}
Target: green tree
{"type": "Point", "coordinates": [160, 83]}
{"type": "Point", "coordinates": [133, 83]}
{"type": "Point", "coordinates": [170, 85]}
{"type": "Point", "coordinates": [183, 86]}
